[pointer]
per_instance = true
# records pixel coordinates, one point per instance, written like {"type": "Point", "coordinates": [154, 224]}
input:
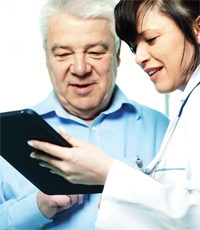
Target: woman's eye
{"type": "Point", "coordinates": [151, 40]}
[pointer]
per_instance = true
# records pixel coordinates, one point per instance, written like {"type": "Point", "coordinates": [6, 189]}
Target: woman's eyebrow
{"type": "Point", "coordinates": [141, 33]}
{"type": "Point", "coordinates": [144, 32]}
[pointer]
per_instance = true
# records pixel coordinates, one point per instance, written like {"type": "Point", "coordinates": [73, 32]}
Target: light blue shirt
{"type": "Point", "coordinates": [127, 129]}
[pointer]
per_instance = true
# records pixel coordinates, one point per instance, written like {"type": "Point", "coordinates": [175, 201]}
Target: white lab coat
{"type": "Point", "coordinates": [133, 200]}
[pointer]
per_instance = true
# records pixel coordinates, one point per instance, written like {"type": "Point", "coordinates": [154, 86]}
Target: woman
{"type": "Point", "coordinates": [165, 36]}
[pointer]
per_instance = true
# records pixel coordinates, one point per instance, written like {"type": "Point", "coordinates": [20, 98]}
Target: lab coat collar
{"type": "Point", "coordinates": [194, 80]}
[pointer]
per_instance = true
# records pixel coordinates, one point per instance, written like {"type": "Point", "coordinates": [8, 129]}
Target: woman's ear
{"type": "Point", "coordinates": [197, 29]}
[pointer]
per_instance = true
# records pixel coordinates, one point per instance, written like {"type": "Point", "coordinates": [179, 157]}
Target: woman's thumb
{"type": "Point", "coordinates": [71, 140]}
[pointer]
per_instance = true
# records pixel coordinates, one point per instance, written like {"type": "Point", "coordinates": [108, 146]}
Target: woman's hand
{"type": "Point", "coordinates": [81, 164]}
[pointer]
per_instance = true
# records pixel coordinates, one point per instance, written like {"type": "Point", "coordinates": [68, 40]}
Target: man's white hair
{"type": "Point", "coordinates": [82, 9]}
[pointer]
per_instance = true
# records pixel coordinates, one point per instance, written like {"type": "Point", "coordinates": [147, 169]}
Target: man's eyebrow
{"type": "Point", "coordinates": [57, 46]}
{"type": "Point", "coordinates": [97, 44]}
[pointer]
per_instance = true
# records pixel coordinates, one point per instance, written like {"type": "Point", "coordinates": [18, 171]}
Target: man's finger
{"type": "Point", "coordinates": [134, 166]}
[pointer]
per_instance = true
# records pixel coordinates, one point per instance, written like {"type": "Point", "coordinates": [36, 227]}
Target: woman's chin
{"type": "Point", "coordinates": [163, 89]}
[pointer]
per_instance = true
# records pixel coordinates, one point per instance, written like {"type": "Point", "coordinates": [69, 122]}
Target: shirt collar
{"type": "Point", "coordinates": [51, 104]}
{"type": "Point", "coordinates": [120, 99]}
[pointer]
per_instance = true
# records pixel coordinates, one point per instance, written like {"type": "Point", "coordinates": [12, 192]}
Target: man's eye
{"type": "Point", "coordinates": [62, 55]}
{"type": "Point", "coordinates": [96, 54]}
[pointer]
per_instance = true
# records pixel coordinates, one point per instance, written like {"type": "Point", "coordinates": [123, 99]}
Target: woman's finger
{"type": "Point", "coordinates": [49, 162]}
{"type": "Point", "coordinates": [48, 148]}
{"type": "Point", "coordinates": [53, 169]}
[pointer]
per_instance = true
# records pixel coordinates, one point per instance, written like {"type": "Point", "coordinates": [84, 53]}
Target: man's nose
{"type": "Point", "coordinates": [80, 66]}
{"type": "Point", "coordinates": [142, 55]}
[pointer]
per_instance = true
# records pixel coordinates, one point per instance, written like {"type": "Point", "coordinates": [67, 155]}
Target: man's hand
{"type": "Point", "coordinates": [51, 205]}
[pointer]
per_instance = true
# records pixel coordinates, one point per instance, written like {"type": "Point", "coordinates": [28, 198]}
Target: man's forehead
{"type": "Point", "coordinates": [62, 34]}
{"type": "Point", "coordinates": [66, 22]}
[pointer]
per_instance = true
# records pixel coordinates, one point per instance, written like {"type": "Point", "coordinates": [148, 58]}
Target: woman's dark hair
{"type": "Point", "coordinates": [183, 12]}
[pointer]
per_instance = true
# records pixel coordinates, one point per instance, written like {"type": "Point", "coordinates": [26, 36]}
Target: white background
{"type": "Point", "coordinates": [24, 79]}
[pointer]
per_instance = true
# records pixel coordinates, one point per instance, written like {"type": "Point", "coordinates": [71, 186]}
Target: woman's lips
{"type": "Point", "coordinates": [154, 73]}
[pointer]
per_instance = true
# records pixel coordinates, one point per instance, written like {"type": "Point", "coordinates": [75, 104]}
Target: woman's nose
{"type": "Point", "coordinates": [142, 55]}
{"type": "Point", "coordinates": [80, 66]}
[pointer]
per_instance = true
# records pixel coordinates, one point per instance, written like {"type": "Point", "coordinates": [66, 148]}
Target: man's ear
{"type": "Point", "coordinates": [197, 29]}
{"type": "Point", "coordinates": [45, 52]}
{"type": "Point", "coordinates": [118, 54]}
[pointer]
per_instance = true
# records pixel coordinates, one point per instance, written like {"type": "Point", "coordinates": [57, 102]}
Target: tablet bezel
{"type": "Point", "coordinates": [17, 127]}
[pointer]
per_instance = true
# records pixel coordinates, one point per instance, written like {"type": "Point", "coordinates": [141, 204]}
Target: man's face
{"type": "Point", "coordinates": [82, 61]}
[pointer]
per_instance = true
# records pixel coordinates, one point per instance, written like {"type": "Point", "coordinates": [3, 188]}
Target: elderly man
{"type": "Point", "coordinates": [82, 56]}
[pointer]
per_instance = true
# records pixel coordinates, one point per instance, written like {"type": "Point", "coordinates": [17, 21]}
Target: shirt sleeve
{"type": "Point", "coordinates": [17, 210]}
{"type": "Point", "coordinates": [22, 214]}
{"type": "Point", "coordinates": [133, 200]}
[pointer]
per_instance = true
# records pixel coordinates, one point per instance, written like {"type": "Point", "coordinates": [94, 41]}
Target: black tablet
{"type": "Point", "coordinates": [17, 127]}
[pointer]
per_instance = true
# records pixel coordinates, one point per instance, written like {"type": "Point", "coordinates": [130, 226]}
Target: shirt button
{"type": "Point", "coordinates": [93, 128]}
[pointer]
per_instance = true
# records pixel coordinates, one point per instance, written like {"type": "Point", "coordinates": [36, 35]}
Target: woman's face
{"type": "Point", "coordinates": [159, 52]}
